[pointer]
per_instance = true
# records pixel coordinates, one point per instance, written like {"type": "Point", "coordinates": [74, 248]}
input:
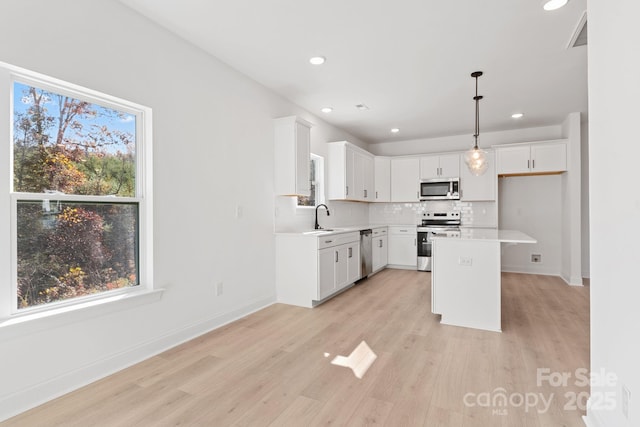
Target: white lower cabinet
{"type": "Point", "coordinates": [311, 268]}
{"type": "Point", "coordinates": [380, 249]}
{"type": "Point", "coordinates": [403, 251]}
{"type": "Point", "coordinates": [326, 272]}
{"type": "Point", "coordinates": [353, 263]}
{"type": "Point", "coordinates": [338, 265]}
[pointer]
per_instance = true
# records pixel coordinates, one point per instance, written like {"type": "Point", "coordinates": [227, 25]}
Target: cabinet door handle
{"type": "Point", "coordinates": [380, 245]}
{"type": "Point", "coordinates": [365, 194]}
{"type": "Point", "coordinates": [418, 194]}
{"type": "Point", "coordinates": [403, 231]}
{"type": "Point", "coordinates": [533, 164]}
{"type": "Point", "coordinates": [347, 193]}
{"type": "Point", "coordinates": [528, 164]}
{"type": "Point", "coordinates": [376, 194]}
{"type": "Point", "coordinates": [336, 256]}
{"type": "Point", "coordinates": [415, 242]}
{"type": "Point", "coordinates": [350, 252]}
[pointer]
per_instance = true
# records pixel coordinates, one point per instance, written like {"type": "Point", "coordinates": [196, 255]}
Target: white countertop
{"type": "Point", "coordinates": [338, 230]}
{"type": "Point", "coordinates": [503, 236]}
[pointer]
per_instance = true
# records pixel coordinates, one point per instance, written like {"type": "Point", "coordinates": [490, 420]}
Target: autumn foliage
{"type": "Point", "coordinates": [68, 248]}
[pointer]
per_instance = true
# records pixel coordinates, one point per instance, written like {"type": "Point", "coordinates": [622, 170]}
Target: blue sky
{"type": "Point", "coordinates": [108, 117]}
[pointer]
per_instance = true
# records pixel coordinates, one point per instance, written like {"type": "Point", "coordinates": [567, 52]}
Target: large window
{"type": "Point", "coordinates": [316, 180]}
{"type": "Point", "coordinates": [79, 194]}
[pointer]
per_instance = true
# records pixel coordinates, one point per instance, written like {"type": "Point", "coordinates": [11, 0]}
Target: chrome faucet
{"type": "Point", "coordinates": [317, 226]}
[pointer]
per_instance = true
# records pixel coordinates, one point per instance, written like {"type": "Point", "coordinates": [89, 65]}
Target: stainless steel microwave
{"type": "Point", "coordinates": [440, 189]}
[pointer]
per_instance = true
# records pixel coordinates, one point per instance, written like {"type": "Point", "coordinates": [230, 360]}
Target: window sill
{"type": "Point", "coordinates": [20, 326]}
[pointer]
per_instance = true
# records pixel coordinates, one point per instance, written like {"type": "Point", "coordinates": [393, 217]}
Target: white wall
{"type": "Point", "coordinates": [614, 150]}
{"type": "Point", "coordinates": [571, 269]}
{"type": "Point", "coordinates": [464, 142]}
{"type": "Point", "coordinates": [533, 205]}
{"type": "Point", "coordinates": [213, 151]}
{"type": "Point", "coordinates": [584, 197]}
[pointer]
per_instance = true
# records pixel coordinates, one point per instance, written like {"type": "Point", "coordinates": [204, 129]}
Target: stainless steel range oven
{"type": "Point", "coordinates": [435, 223]}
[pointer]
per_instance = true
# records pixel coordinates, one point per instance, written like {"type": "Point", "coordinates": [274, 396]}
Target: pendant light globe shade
{"type": "Point", "coordinates": [476, 160]}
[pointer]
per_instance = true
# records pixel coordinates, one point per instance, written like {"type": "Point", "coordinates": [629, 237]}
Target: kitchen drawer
{"type": "Point", "coordinates": [337, 239]}
{"type": "Point", "coordinates": [403, 231]}
{"type": "Point", "coordinates": [380, 231]}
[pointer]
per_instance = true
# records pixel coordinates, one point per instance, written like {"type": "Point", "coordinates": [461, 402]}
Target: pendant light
{"type": "Point", "coordinates": [476, 159]}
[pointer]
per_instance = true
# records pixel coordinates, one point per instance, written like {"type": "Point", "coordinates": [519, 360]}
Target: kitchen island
{"type": "Point", "coordinates": [465, 276]}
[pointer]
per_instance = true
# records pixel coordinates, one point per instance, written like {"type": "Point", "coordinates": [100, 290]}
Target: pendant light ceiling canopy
{"type": "Point", "coordinates": [476, 159]}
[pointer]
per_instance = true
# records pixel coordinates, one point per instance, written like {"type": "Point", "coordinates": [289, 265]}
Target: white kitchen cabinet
{"type": "Point", "coordinates": [350, 173]}
{"type": "Point", "coordinates": [440, 166]}
{"type": "Point", "coordinates": [326, 272]}
{"type": "Point", "coordinates": [405, 179]}
{"type": "Point", "coordinates": [312, 268]}
{"type": "Point", "coordinates": [369, 180]}
{"type": "Point", "coordinates": [379, 250]}
{"type": "Point", "coordinates": [345, 260]}
{"type": "Point", "coordinates": [292, 137]}
{"type": "Point", "coordinates": [403, 251]}
{"type": "Point", "coordinates": [531, 158]}
{"type": "Point", "coordinates": [353, 263]}
{"type": "Point", "coordinates": [382, 179]}
{"type": "Point", "coordinates": [479, 188]}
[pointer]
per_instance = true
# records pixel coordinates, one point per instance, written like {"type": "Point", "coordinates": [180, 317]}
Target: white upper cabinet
{"type": "Point", "coordinates": [369, 179]}
{"type": "Point", "coordinates": [292, 137]}
{"type": "Point", "coordinates": [477, 188]}
{"type": "Point", "coordinates": [405, 179]}
{"type": "Point", "coordinates": [350, 173]}
{"type": "Point", "coordinates": [549, 157]}
{"type": "Point", "coordinates": [532, 158]}
{"type": "Point", "coordinates": [382, 180]}
{"type": "Point", "coordinates": [440, 166]}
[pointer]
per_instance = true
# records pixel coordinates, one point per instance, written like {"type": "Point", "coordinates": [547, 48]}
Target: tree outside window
{"type": "Point", "coordinates": [316, 180]}
{"type": "Point", "coordinates": [75, 196]}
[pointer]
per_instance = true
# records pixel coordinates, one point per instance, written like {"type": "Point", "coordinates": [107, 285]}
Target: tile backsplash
{"type": "Point", "coordinates": [473, 214]}
{"type": "Point", "coordinates": [288, 218]}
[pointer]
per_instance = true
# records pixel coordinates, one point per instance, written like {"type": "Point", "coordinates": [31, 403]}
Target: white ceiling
{"type": "Point", "coordinates": [409, 61]}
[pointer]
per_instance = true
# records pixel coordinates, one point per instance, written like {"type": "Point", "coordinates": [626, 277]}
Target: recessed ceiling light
{"type": "Point", "coordinates": [326, 109]}
{"type": "Point", "coordinates": [317, 60]}
{"type": "Point", "coordinates": [361, 107]}
{"type": "Point", "coordinates": [553, 4]}
{"type": "Point", "coordinates": [517, 115]}
{"type": "Point", "coordinates": [395, 130]}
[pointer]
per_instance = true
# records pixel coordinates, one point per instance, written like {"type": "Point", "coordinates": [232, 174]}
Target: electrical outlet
{"type": "Point", "coordinates": [465, 261]}
{"type": "Point", "coordinates": [536, 258]}
{"type": "Point", "coordinates": [219, 289]}
{"type": "Point", "coordinates": [626, 398]}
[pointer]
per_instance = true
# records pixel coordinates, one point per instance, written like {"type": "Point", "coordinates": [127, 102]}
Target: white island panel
{"type": "Point", "coordinates": [467, 274]}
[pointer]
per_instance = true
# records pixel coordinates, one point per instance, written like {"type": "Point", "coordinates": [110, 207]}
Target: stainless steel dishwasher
{"type": "Point", "coordinates": [365, 253]}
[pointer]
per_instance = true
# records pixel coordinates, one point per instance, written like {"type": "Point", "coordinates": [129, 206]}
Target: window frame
{"type": "Point", "coordinates": [143, 196]}
{"type": "Point", "coordinates": [319, 179]}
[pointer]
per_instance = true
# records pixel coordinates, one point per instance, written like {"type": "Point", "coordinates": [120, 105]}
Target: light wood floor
{"type": "Point", "coordinates": [270, 368]}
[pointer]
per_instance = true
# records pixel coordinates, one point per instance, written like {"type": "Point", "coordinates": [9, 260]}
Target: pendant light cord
{"type": "Point", "coordinates": [477, 99]}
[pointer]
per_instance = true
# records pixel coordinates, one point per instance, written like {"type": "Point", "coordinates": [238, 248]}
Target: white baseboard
{"type": "Point", "coordinates": [38, 394]}
{"type": "Point", "coordinates": [592, 420]}
{"type": "Point", "coordinates": [402, 267]}
{"type": "Point", "coordinates": [572, 281]}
